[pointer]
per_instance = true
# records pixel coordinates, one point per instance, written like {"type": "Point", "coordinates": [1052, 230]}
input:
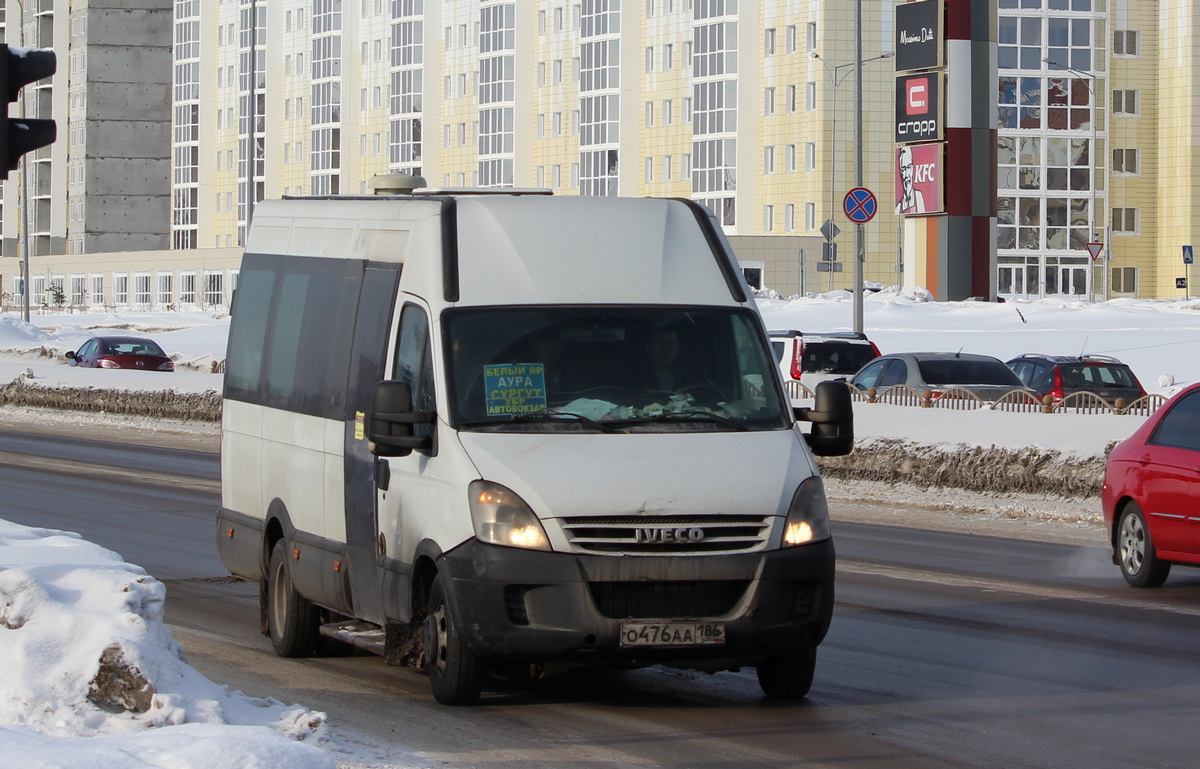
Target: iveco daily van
{"type": "Point", "coordinates": [505, 431]}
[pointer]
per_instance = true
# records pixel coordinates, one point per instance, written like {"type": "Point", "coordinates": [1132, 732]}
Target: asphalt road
{"type": "Point", "coordinates": [947, 649]}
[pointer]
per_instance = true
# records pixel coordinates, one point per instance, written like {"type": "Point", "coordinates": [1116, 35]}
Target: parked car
{"type": "Point", "coordinates": [121, 352]}
{"type": "Point", "coordinates": [1063, 375]}
{"type": "Point", "coordinates": [812, 357]}
{"type": "Point", "coordinates": [1151, 493]}
{"type": "Point", "coordinates": [982, 375]}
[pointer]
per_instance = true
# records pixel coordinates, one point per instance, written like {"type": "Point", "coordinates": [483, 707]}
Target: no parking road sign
{"type": "Point", "coordinates": [860, 205]}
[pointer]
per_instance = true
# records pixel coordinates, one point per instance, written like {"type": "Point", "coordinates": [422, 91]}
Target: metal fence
{"type": "Point", "coordinates": [1026, 401]}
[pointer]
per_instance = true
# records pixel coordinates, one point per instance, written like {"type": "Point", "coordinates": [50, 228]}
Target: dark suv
{"type": "Point", "coordinates": [1063, 375]}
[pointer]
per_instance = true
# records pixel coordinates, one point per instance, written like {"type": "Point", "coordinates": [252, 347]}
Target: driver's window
{"type": "Point", "coordinates": [414, 363]}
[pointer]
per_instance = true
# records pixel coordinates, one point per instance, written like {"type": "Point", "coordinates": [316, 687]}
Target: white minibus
{"type": "Point", "coordinates": [505, 431]}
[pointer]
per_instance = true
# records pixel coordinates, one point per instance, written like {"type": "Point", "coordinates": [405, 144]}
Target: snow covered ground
{"type": "Point", "coordinates": [64, 602]}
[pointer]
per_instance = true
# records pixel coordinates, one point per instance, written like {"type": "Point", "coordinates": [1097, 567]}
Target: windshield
{"type": "Point", "coordinates": [610, 369]}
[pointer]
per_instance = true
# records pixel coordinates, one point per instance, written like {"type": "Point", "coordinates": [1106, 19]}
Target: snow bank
{"type": "Point", "coordinates": [93, 677]}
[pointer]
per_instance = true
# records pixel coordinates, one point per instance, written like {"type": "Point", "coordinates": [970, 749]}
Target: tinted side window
{"type": "Point", "coordinates": [248, 327]}
{"type": "Point", "coordinates": [290, 337]}
{"type": "Point", "coordinates": [1180, 427]}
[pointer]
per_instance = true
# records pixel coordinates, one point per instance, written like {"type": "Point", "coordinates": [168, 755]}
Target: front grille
{"type": "Point", "coordinates": [657, 600]}
{"type": "Point", "coordinates": [667, 534]}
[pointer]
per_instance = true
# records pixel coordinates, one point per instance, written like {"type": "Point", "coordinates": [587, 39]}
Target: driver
{"type": "Point", "coordinates": [663, 348]}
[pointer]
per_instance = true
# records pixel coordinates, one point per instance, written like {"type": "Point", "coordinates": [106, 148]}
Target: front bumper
{"type": "Point", "coordinates": [517, 605]}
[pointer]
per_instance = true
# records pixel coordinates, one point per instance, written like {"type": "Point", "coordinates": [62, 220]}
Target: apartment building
{"type": "Point", "coordinates": [105, 184]}
{"type": "Point", "coordinates": [722, 101]}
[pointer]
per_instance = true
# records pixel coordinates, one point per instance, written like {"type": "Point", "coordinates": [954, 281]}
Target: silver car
{"type": "Point", "coordinates": [983, 375]}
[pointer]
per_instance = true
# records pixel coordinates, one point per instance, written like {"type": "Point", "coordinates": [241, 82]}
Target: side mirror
{"type": "Point", "coordinates": [70, 355]}
{"type": "Point", "coordinates": [832, 417]}
{"type": "Point", "coordinates": [392, 419]}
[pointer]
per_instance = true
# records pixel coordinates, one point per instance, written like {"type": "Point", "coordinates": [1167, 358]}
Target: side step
{"type": "Point", "coordinates": [399, 645]}
{"type": "Point", "coordinates": [363, 635]}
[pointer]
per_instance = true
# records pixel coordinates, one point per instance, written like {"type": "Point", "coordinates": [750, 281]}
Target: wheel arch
{"type": "Point", "coordinates": [424, 571]}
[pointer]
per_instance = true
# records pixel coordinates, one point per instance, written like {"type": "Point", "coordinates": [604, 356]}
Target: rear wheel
{"type": "Point", "coordinates": [789, 675]}
{"type": "Point", "coordinates": [455, 674]}
{"type": "Point", "coordinates": [292, 620]}
{"type": "Point", "coordinates": [1139, 561]}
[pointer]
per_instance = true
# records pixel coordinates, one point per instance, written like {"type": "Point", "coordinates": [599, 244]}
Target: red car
{"type": "Point", "coordinates": [1151, 495]}
{"type": "Point", "coordinates": [122, 352]}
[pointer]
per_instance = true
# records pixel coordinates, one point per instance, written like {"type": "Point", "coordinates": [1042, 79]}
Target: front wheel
{"type": "Point", "coordinates": [455, 674]}
{"type": "Point", "coordinates": [292, 620]}
{"type": "Point", "coordinates": [1140, 564]}
{"type": "Point", "coordinates": [788, 675]}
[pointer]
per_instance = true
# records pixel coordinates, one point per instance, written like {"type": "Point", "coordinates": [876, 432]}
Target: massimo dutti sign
{"type": "Point", "coordinates": [919, 35]}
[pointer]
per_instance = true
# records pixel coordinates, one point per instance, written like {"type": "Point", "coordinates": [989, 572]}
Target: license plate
{"type": "Point", "coordinates": [672, 633]}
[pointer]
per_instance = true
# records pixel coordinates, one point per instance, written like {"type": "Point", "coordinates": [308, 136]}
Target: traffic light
{"type": "Point", "coordinates": [18, 68]}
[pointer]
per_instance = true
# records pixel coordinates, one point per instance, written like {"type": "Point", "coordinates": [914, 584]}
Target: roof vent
{"type": "Point", "coordinates": [395, 184]}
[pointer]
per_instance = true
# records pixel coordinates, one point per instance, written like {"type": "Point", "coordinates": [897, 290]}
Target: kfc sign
{"type": "Point", "coordinates": [918, 110]}
{"type": "Point", "coordinates": [918, 179]}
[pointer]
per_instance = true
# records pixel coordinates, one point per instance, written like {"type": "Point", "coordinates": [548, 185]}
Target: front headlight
{"type": "Point", "coordinates": [808, 517]}
{"type": "Point", "coordinates": [502, 518]}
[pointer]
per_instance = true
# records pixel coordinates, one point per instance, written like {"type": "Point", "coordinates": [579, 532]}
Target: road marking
{"type": "Point", "coordinates": [1007, 586]}
{"type": "Point", "coordinates": [86, 469]}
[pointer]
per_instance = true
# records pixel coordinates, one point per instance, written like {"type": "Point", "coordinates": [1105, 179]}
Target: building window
{"type": "Point", "coordinates": [1127, 42]}
{"type": "Point", "coordinates": [810, 34]}
{"type": "Point", "coordinates": [768, 160]}
{"type": "Point", "coordinates": [791, 98]}
{"type": "Point", "coordinates": [648, 175]}
{"type": "Point", "coordinates": [141, 288]}
{"type": "Point", "coordinates": [1125, 221]}
{"type": "Point", "coordinates": [789, 217]}
{"type": "Point", "coordinates": [649, 114]}
{"type": "Point", "coordinates": [78, 290]}
{"type": "Point", "coordinates": [668, 57]}
{"type": "Point", "coordinates": [1125, 102]}
{"type": "Point", "coordinates": [769, 101]}
{"type": "Point", "coordinates": [214, 289]}
{"type": "Point", "coordinates": [810, 96]}
{"type": "Point", "coordinates": [769, 42]}
{"type": "Point", "coordinates": [1125, 162]}
{"type": "Point", "coordinates": [666, 168]}
{"type": "Point", "coordinates": [187, 288]}
{"type": "Point", "coordinates": [810, 216]}
{"type": "Point", "coordinates": [810, 156]}
{"type": "Point", "coordinates": [166, 296]}
{"type": "Point", "coordinates": [1124, 280]}
{"type": "Point", "coordinates": [768, 218]}
{"type": "Point", "coordinates": [97, 297]}
{"type": "Point", "coordinates": [791, 39]}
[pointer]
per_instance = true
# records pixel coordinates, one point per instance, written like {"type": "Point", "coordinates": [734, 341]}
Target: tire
{"type": "Point", "coordinates": [788, 676]}
{"type": "Point", "coordinates": [455, 674]}
{"type": "Point", "coordinates": [1136, 554]}
{"type": "Point", "coordinates": [292, 620]}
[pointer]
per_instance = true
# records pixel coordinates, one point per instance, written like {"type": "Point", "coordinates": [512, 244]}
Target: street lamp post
{"type": "Point", "coordinates": [1093, 235]}
{"type": "Point", "coordinates": [836, 78]}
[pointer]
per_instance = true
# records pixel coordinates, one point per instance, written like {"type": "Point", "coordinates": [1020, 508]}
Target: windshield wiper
{"type": "Point", "coordinates": [540, 416]}
{"type": "Point", "coordinates": [689, 415]}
